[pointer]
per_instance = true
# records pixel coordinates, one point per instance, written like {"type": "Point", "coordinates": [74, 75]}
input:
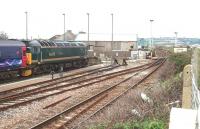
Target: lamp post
{"type": "Point", "coordinates": [137, 42]}
{"type": "Point", "coordinates": [26, 13]}
{"type": "Point", "coordinates": [175, 40]}
{"type": "Point", "coordinates": [151, 43]}
{"type": "Point", "coordinates": [64, 28]}
{"type": "Point", "coordinates": [88, 38]}
{"type": "Point", "coordinates": [112, 39]}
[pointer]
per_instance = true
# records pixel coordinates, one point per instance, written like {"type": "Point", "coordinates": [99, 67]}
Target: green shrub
{"type": "Point", "coordinates": [155, 124]}
{"type": "Point", "coordinates": [100, 126]}
{"type": "Point", "coordinates": [127, 125]}
{"type": "Point", "coordinates": [180, 60]}
{"type": "Point", "coordinates": [146, 124]}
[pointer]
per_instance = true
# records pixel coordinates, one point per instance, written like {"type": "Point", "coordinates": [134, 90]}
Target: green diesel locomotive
{"type": "Point", "coordinates": [46, 56]}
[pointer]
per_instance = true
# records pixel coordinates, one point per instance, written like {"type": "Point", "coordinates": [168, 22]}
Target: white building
{"type": "Point", "coordinates": [180, 49]}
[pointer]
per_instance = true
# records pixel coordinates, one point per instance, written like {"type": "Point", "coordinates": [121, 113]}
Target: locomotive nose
{"type": "Point", "coordinates": [24, 58]}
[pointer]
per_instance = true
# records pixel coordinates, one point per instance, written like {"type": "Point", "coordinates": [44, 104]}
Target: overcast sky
{"type": "Point", "coordinates": [131, 17]}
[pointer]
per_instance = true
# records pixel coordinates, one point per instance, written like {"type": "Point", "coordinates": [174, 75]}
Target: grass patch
{"type": "Point", "coordinates": [145, 124]}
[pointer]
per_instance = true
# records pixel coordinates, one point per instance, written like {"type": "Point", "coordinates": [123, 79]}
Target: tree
{"type": "Point", "coordinates": [3, 36]}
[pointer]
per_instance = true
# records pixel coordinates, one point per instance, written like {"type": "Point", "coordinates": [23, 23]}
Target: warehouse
{"type": "Point", "coordinates": [100, 45]}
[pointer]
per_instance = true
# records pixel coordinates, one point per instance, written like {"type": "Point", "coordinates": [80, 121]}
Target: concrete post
{"type": "Point", "coordinates": [187, 87]}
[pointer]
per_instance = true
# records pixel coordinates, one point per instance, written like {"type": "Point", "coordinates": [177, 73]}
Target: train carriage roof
{"type": "Point", "coordinates": [49, 43]}
{"type": "Point", "coordinates": [12, 43]}
{"type": "Point", "coordinates": [34, 43]}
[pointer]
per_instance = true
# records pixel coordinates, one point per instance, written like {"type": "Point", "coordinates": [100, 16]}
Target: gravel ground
{"type": "Point", "coordinates": [27, 116]}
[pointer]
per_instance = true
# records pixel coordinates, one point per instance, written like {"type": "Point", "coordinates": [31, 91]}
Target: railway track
{"type": "Point", "coordinates": [72, 116]}
{"type": "Point", "coordinates": [40, 93]}
{"type": "Point", "coordinates": [56, 80]}
{"type": "Point", "coordinates": [18, 78]}
{"type": "Point", "coordinates": [20, 91]}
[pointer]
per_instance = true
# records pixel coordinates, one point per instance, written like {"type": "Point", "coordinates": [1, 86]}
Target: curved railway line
{"type": "Point", "coordinates": [73, 116]}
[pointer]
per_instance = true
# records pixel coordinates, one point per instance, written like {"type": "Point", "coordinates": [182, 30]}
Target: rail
{"type": "Point", "coordinates": [12, 101]}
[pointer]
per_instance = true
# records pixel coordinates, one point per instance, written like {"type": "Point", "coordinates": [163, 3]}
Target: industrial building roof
{"type": "Point", "coordinates": [11, 43]}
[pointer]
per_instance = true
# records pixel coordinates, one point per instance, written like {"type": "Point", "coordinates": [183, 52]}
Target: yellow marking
{"type": "Point", "coordinates": [26, 73]}
{"type": "Point", "coordinates": [29, 58]}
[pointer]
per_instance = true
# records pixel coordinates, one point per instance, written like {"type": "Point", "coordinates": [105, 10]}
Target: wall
{"type": "Point", "coordinates": [102, 49]}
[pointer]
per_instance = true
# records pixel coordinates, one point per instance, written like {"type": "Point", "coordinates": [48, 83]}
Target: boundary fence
{"type": "Point", "coordinates": [195, 88]}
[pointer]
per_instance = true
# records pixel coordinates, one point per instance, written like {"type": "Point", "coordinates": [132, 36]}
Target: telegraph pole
{"type": "Point", "coordinates": [64, 28]}
{"type": "Point", "coordinates": [112, 40]}
{"type": "Point", "coordinates": [151, 44]}
{"type": "Point", "coordinates": [175, 41]}
{"type": "Point", "coordinates": [88, 27]}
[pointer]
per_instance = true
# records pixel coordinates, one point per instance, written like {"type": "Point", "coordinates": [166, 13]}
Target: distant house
{"type": "Point", "coordinates": [195, 46]}
{"type": "Point", "coordinates": [69, 36]}
{"type": "Point", "coordinates": [54, 38]}
{"type": "Point", "coordinates": [180, 49]}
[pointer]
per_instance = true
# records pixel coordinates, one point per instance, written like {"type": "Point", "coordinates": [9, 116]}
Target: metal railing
{"type": "Point", "coordinates": [195, 89]}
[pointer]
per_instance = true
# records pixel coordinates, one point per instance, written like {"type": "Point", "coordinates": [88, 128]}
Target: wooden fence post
{"type": "Point", "coordinates": [187, 87]}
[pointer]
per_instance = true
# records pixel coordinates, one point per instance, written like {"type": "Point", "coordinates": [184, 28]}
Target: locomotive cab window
{"type": "Point", "coordinates": [28, 49]}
